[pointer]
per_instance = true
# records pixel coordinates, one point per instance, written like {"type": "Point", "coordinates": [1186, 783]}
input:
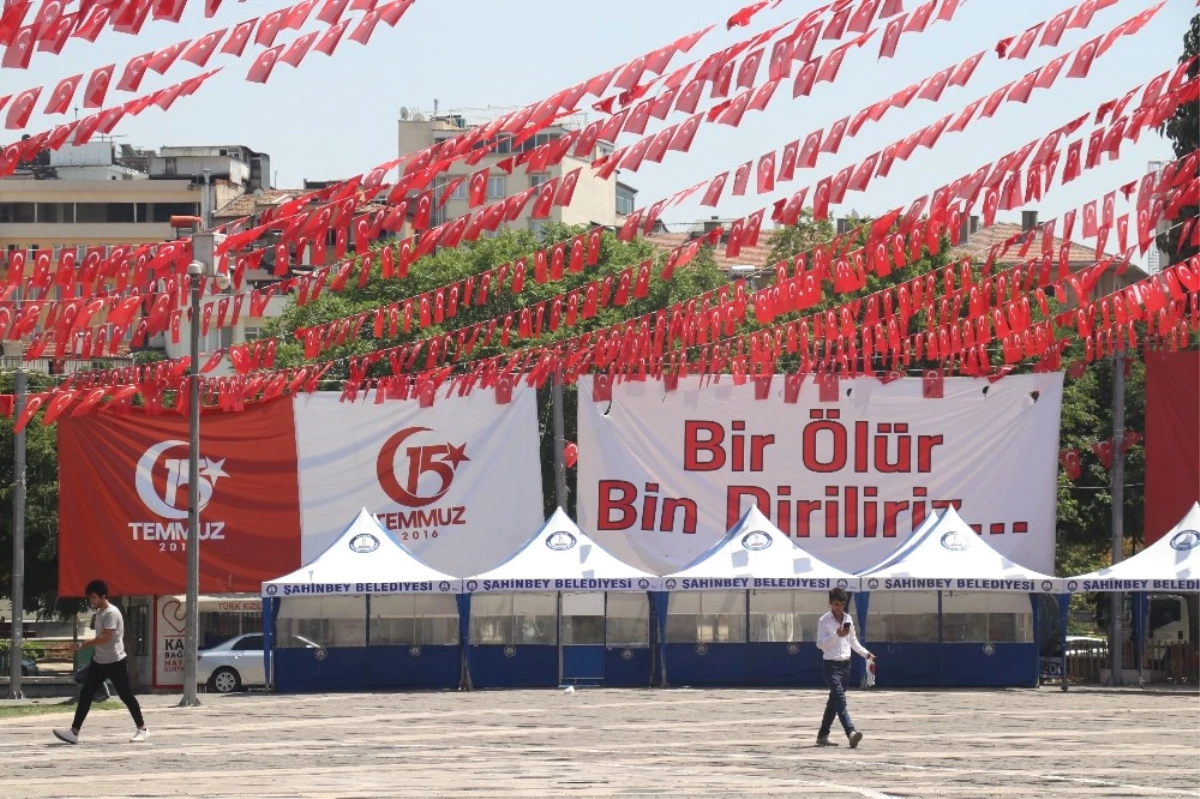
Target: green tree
{"type": "Point", "coordinates": [473, 258]}
{"type": "Point", "coordinates": [41, 508]}
{"type": "Point", "coordinates": [1183, 130]}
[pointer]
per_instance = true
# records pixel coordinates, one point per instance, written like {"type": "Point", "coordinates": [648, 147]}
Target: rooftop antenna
{"type": "Point", "coordinates": [435, 106]}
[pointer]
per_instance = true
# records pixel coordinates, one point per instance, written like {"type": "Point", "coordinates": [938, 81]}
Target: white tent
{"type": "Point", "coordinates": [1170, 564]}
{"type": "Point", "coordinates": [561, 557]}
{"type": "Point", "coordinates": [756, 554]}
{"type": "Point", "coordinates": [363, 560]}
{"type": "Point", "coordinates": [945, 554]}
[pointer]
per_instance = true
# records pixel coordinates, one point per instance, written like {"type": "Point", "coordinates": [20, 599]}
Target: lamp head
{"type": "Point", "coordinates": [195, 269]}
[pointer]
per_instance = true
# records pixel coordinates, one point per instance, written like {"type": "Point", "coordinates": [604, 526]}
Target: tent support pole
{"type": "Point", "coordinates": [1117, 633]}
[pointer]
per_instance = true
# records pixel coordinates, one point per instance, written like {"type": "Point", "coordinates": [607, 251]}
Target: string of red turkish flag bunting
{"type": "Point", "coordinates": [199, 53]}
{"type": "Point", "coordinates": [856, 177]}
{"type": "Point", "coordinates": [432, 304]}
{"type": "Point", "coordinates": [105, 264]}
{"type": "Point", "coordinates": [538, 157]}
{"type": "Point", "coordinates": [53, 25]}
{"type": "Point", "coordinates": [1081, 288]}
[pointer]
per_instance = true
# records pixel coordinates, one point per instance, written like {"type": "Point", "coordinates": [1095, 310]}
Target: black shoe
{"type": "Point", "coordinates": [855, 736]}
{"type": "Point", "coordinates": [823, 740]}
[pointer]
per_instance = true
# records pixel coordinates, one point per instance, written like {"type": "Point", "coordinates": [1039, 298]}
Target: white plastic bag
{"type": "Point", "coordinates": [871, 673]}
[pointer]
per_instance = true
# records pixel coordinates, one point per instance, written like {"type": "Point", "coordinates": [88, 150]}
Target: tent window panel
{"type": "Point", "coordinates": [773, 617]}
{"type": "Point", "coordinates": [535, 619]}
{"type": "Point", "coordinates": [903, 617]}
{"type": "Point", "coordinates": [582, 620]}
{"type": "Point", "coordinates": [683, 611]}
{"type": "Point", "coordinates": [491, 619]}
{"type": "Point", "coordinates": [392, 621]}
{"type": "Point", "coordinates": [436, 620]}
{"type": "Point", "coordinates": [627, 620]}
{"type": "Point", "coordinates": [707, 617]}
{"type": "Point", "coordinates": [330, 622]}
{"type": "Point", "coordinates": [982, 617]}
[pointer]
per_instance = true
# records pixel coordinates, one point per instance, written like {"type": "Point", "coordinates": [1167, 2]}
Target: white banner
{"type": "Point", "coordinates": [459, 483]}
{"type": "Point", "coordinates": [662, 476]}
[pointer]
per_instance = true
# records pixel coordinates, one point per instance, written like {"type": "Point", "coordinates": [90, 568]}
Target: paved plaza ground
{"type": "Point", "coordinates": [621, 743]}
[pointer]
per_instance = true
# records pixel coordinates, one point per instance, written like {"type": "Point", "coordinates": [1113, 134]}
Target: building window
{"type": "Point", "coordinates": [110, 213]}
{"type": "Point", "coordinates": [252, 333]}
{"type": "Point", "coordinates": [16, 212]}
{"type": "Point", "coordinates": [625, 203]}
{"type": "Point", "coordinates": [162, 212]}
{"type": "Point", "coordinates": [55, 212]}
{"type": "Point", "coordinates": [460, 191]}
{"type": "Point", "coordinates": [537, 180]}
{"type": "Point", "coordinates": [497, 186]}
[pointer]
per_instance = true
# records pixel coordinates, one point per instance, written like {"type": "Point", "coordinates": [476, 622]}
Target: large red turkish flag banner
{"type": "Point", "coordinates": [1172, 439]}
{"type": "Point", "coordinates": [123, 503]}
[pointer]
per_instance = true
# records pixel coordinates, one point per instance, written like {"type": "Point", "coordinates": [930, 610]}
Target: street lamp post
{"type": "Point", "coordinates": [196, 270]}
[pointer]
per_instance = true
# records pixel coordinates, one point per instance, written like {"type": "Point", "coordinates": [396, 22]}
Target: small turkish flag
{"type": "Point", "coordinates": [366, 27]}
{"type": "Point", "coordinates": [713, 195]}
{"type": "Point", "coordinates": [235, 45]}
{"type": "Point", "coordinates": [932, 384]}
{"type": "Point", "coordinates": [766, 173]}
{"type": "Point", "coordinates": [1069, 458]}
{"type": "Point", "coordinates": [21, 108]}
{"type": "Point", "coordinates": [97, 86]}
{"type": "Point", "coordinates": [64, 92]}
{"type": "Point", "coordinates": [1055, 29]}
{"type": "Point", "coordinates": [1083, 60]}
{"type": "Point", "coordinates": [571, 454]}
{"type": "Point", "coordinates": [19, 50]}
{"type": "Point", "coordinates": [203, 48]}
{"type": "Point", "coordinates": [269, 28]}
{"type": "Point", "coordinates": [162, 60]}
{"type": "Point", "coordinates": [827, 387]}
{"type": "Point", "coordinates": [264, 64]}
{"type": "Point", "coordinates": [135, 70]}
{"type": "Point", "coordinates": [333, 36]}
{"type": "Point", "coordinates": [331, 12]}
{"type": "Point", "coordinates": [1104, 452]}
{"type": "Point", "coordinates": [299, 48]}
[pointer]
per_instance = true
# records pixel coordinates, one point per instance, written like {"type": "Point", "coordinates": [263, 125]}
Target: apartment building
{"type": "Point", "coordinates": [596, 201]}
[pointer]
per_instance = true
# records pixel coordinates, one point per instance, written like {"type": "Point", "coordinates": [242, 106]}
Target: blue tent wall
{"type": "Point", "coordinates": [537, 665]}
{"type": "Point", "coordinates": [758, 664]}
{"type": "Point", "coordinates": [359, 668]}
{"type": "Point", "coordinates": [963, 665]}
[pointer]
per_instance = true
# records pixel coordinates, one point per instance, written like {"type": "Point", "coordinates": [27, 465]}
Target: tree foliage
{"type": "Point", "coordinates": [1183, 130]}
{"type": "Point", "coordinates": [473, 258]}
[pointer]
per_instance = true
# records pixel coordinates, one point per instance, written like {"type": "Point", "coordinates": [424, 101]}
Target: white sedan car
{"type": "Point", "coordinates": [237, 663]}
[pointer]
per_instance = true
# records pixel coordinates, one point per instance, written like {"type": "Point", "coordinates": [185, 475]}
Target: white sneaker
{"type": "Point", "coordinates": [140, 736]}
{"type": "Point", "coordinates": [66, 736]}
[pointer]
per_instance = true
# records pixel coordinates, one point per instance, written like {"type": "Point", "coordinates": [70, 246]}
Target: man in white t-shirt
{"type": "Point", "coordinates": [108, 663]}
{"type": "Point", "coordinates": [836, 640]}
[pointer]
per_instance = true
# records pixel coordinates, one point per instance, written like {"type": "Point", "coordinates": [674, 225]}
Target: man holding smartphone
{"type": "Point", "coordinates": [836, 639]}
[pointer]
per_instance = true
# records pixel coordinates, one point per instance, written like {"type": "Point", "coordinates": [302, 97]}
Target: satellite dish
{"type": "Point", "coordinates": [418, 117]}
{"type": "Point", "coordinates": [404, 112]}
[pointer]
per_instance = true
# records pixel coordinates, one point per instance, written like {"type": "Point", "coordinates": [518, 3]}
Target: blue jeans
{"type": "Point", "coordinates": [837, 675]}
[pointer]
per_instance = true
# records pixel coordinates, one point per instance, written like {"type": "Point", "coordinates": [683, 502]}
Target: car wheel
{"type": "Point", "coordinates": [225, 680]}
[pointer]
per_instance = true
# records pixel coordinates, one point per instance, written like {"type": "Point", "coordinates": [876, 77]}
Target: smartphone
{"type": "Point", "coordinates": [845, 625]}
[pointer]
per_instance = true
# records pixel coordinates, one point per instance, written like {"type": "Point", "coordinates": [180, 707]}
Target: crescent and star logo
{"type": "Point", "coordinates": [440, 460]}
{"type": "Point", "coordinates": [171, 504]}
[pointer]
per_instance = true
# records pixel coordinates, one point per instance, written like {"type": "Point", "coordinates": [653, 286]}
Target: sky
{"type": "Point", "coordinates": [336, 117]}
